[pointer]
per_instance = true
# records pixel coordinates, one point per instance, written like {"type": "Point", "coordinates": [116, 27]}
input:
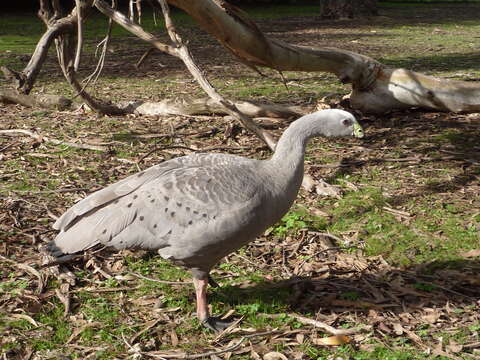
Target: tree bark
{"type": "Point", "coordinates": [44, 101]}
{"type": "Point", "coordinates": [376, 88]}
{"type": "Point", "coordinates": [337, 9]}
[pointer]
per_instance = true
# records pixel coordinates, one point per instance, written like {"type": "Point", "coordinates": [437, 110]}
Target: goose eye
{"type": "Point", "coordinates": [347, 122]}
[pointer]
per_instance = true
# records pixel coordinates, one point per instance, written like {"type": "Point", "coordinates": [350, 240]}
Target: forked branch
{"type": "Point", "coordinates": [181, 51]}
{"type": "Point", "coordinates": [230, 107]}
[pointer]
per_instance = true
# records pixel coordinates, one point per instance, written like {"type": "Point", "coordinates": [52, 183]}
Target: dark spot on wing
{"type": "Point", "coordinates": [187, 208]}
{"type": "Point", "coordinates": [204, 215]}
{"type": "Point", "coordinates": [135, 196]}
{"type": "Point", "coordinates": [179, 204]}
{"type": "Point", "coordinates": [141, 218]}
{"type": "Point", "coordinates": [116, 201]}
{"type": "Point", "coordinates": [152, 201]}
{"type": "Point", "coordinates": [130, 205]}
{"type": "Point", "coordinates": [104, 231]}
{"type": "Point", "coordinates": [166, 198]}
{"type": "Point", "coordinates": [155, 226]}
{"type": "Point", "coordinates": [195, 212]}
{"type": "Point", "coordinates": [172, 214]}
{"type": "Point", "coordinates": [169, 232]}
{"type": "Point", "coordinates": [168, 185]}
{"type": "Point", "coordinates": [190, 222]}
{"type": "Point", "coordinates": [166, 209]}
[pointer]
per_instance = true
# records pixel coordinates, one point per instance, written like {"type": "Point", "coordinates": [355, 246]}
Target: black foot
{"type": "Point", "coordinates": [216, 324]}
{"type": "Point", "coordinates": [212, 282]}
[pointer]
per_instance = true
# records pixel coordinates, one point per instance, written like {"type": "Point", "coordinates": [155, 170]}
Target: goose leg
{"type": "Point", "coordinates": [210, 322]}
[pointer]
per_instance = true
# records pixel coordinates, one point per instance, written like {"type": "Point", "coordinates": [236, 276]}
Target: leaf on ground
{"type": "Point", "coordinates": [335, 340]}
{"type": "Point", "coordinates": [274, 355]}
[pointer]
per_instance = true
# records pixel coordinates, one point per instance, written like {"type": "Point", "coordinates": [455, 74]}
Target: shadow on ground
{"type": "Point", "coordinates": [426, 293]}
{"type": "Point", "coordinates": [427, 141]}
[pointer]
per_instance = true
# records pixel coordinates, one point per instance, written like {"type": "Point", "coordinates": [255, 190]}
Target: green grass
{"type": "Point", "coordinates": [400, 243]}
{"type": "Point", "coordinates": [20, 32]}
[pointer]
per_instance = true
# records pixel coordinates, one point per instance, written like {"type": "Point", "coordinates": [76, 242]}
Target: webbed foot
{"type": "Point", "coordinates": [212, 282]}
{"type": "Point", "coordinates": [216, 324]}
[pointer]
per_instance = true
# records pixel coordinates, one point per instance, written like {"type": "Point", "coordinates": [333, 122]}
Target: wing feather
{"type": "Point", "coordinates": [111, 193]}
{"type": "Point", "coordinates": [158, 208]}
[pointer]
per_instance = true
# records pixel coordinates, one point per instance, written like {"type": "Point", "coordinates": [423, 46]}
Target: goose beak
{"type": "Point", "coordinates": [358, 131]}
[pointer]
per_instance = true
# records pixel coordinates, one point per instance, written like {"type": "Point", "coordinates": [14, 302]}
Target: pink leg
{"type": "Point", "coordinates": [213, 323]}
{"type": "Point", "coordinates": [201, 294]}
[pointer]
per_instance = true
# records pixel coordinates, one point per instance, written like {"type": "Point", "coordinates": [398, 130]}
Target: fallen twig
{"type": "Point", "coordinates": [79, 330]}
{"type": "Point", "coordinates": [143, 57]}
{"type": "Point", "coordinates": [105, 290]}
{"type": "Point", "coordinates": [328, 235]}
{"type": "Point", "coordinates": [31, 270]}
{"type": "Point", "coordinates": [397, 212]}
{"type": "Point", "coordinates": [150, 324]}
{"type": "Point", "coordinates": [40, 138]}
{"type": "Point", "coordinates": [161, 281]}
{"type": "Point", "coordinates": [321, 325]}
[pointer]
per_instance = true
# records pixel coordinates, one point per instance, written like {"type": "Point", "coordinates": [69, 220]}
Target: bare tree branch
{"type": "Point", "coordinates": [101, 61]}
{"type": "Point", "coordinates": [27, 77]}
{"type": "Point", "coordinates": [78, 54]}
{"type": "Point", "coordinates": [123, 21]}
{"type": "Point", "coordinates": [231, 109]}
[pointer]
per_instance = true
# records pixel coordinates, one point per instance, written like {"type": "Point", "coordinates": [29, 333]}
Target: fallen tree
{"type": "Point", "coordinates": [375, 87]}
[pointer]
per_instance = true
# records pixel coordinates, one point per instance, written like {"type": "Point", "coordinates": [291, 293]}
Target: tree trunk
{"type": "Point", "coordinates": [338, 9]}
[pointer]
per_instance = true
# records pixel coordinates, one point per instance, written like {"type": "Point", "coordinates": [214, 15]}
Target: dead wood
{"type": "Point", "coordinates": [321, 325]}
{"type": "Point", "coordinates": [208, 106]}
{"type": "Point", "coordinates": [375, 87]}
{"type": "Point", "coordinates": [56, 25]}
{"type": "Point", "coordinates": [44, 101]}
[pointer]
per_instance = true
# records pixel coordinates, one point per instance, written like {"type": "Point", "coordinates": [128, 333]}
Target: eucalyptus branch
{"type": "Point", "coordinates": [230, 107]}
{"type": "Point", "coordinates": [78, 53]}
